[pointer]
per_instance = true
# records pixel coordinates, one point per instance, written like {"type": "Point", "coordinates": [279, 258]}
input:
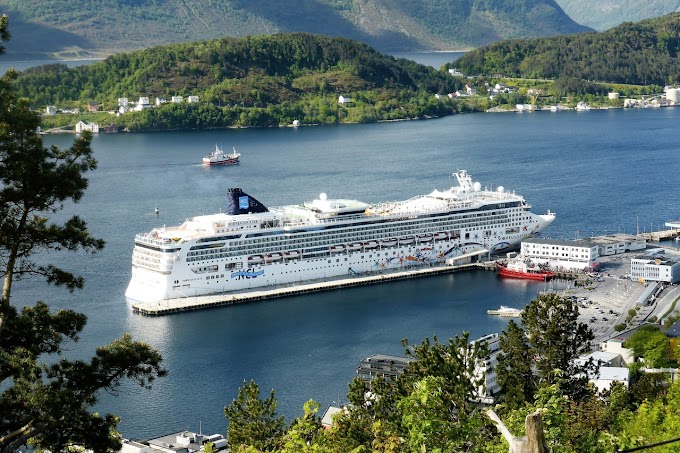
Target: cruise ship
{"type": "Point", "coordinates": [251, 246]}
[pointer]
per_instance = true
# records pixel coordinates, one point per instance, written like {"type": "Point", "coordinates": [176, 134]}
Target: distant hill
{"type": "Point", "coordinates": [77, 28]}
{"type": "Point", "coordinates": [642, 53]}
{"type": "Point", "coordinates": [262, 80]}
{"type": "Point", "coordinates": [605, 14]}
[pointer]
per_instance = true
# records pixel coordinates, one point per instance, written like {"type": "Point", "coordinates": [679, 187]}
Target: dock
{"type": "Point", "coordinates": [672, 233]}
{"type": "Point", "coordinates": [170, 306]}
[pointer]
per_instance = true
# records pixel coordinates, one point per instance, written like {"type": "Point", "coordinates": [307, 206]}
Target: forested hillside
{"type": "Point", "coordinates": [80, 28]}
{"type": "Point", "coordinates": [262, 80]}
{"type": "Point", "coordinates": [633, 53]}
{"type": "Point", "coordinates": [605, 14]}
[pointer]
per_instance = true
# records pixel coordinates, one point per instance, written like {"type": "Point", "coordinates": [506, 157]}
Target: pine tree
{"type": "Point", "coordinates": [252, 421]}
{"type": "Point", "coordinates": [44, 398]}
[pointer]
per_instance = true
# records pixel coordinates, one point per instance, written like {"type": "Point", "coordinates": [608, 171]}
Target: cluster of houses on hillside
{"type": "Point", "coordinates": [144, 102]}
{"type": "Point", "coordinates": [124, 106]}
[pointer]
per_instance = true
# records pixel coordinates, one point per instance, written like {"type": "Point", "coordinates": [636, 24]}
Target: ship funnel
{"type": "Point", "coordinates": [239, 202]}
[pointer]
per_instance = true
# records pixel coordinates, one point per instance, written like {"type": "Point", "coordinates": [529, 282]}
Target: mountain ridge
{"type": "Point", "coordinates": [387, 25]}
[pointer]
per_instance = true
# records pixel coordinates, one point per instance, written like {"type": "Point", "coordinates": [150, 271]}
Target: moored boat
{"type": "Point", "coordinates": [251, 242]}
{"type": "Point", "coordinates": [520, 269]}
{"type": "Point", "coordinates": [506, 312]}
{"type": "Point", "coordinates": [219, 157]}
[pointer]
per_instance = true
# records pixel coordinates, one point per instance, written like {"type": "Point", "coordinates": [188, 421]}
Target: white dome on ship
{"type": "Point", "coordinates": [323, 196]}
{"type": "Point", "coordinates": [477, 186]}
{"type": "Point", "coordinates": [501, 189]}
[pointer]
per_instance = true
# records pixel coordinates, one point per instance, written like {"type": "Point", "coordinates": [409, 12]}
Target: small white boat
{"type": "Point", "coordinates": [370, 244]}
{"type": "Point", "coordinates": [427, 237]}
{"type": "Point", "coordinates": [355, 246]}
{"type": "Point", "coordinates": [255, 259]}
{"type": "Point", "coordinates": [406, 240]}
{"type": "Point", "coordinates": [338, 248]}
{"type": "Point", "coordinates": [292, 254]}
{"type": "Point", "coordinates": [506, 312]}
{"type": "Point", "coordinates": [440, 236]}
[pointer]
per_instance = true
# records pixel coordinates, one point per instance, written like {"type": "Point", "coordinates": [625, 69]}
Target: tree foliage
{"type": "Point", "coordinates": [643, 53]}
{"type": "Point", "coordinates": [45, 398]}
{"type": "Point", "coordinates": [254, 81]}
{"type": "Point", "coordinates": [514, 370]}
{"type": "Point", "coordinates": [253, 421]}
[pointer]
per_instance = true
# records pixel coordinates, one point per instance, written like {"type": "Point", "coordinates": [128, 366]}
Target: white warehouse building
{"type": "Point", "coordinates": [559, 254]}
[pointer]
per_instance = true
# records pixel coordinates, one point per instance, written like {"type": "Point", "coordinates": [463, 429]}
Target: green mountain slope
{"type": "Point", "coordinates": [604, 14]}
{"type": "Point", "coordinates": [637, 53]}
{"type": "Point", "coordinates": [261, 80]}
{"type": "Point", "coordinates": [79, 28]}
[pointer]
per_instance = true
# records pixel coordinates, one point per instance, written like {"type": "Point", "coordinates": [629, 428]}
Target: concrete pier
{"type": "Point", "coordinates": [169, 306]}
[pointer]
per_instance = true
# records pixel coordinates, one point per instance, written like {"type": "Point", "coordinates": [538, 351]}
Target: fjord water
{"type": "Point", "coordinates": [598, 170]}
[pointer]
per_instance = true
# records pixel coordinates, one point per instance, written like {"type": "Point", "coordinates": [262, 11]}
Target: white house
{"type": "Point", "coordinates": [176, 99]}
{"type": "Point", "coordinates": [50, 110]}
{"type": "Point", "coordinates": [344, 100]}
{"type": "Point", "coordinates": [83, 126]}
{"type": "Point", "coordinates": [160, 101]}
{"type": "Point", "coordinates": [123, 102]}
{"type": "Point", "coordinates": [142, 104]}
{"type": "Point", "coordinates": [559, 254]}
{"type": "Point", "coordinates": [610, 368]}
{"type": "Point", "coordinates": [615, 346]}
{"type": "Point", "coordinates": [192, 99]}
{"type": "Point", "coordinates": [455, 72]}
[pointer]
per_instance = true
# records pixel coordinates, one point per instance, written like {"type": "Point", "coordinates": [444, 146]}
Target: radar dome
{"type": "Point", "coordinates": [501, 189]}
{"type": "Point", "coordinates": [323, 196]}
{"type": "Point", "coordinates": [477, 186]}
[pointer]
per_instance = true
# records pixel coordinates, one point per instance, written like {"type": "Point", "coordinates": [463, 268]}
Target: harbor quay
{"type": "Point", "coordinates": [170, 306]}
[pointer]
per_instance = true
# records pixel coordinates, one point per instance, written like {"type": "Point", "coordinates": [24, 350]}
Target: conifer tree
{"type": "Point", "coordinates": [253, 421]}
{"type": "Point", "coordinates": [44, 397]}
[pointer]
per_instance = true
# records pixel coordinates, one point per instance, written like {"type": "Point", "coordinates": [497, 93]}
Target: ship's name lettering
{"type": "Point", "coordinates": [248, 273]}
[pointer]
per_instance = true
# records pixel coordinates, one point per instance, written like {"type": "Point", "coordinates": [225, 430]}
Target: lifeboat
{"type": "Point", "coordinates": [255, 259]}
{"type": "Point", "coordinates": [440, 236]}
{"type": "Point", "coordinates": [355, 246]}
{"type": "Point", "coordinates": [370, 244]}
{"type": "Point", "coordinates": [274, 257]}
{"type": "Point", "coordinates": [404, 240]}
{"type": "Point", "coordinates": [337, 248]}
{"type": "Point", "coordinates": [388, 242]}
{"type": "Point", "coordinates": [427, 237]}
{"type": "Point", "coordinates": [292, 254]}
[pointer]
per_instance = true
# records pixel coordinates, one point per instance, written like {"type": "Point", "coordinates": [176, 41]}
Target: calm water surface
{"type": "Point", "coordinates": [598, 170]}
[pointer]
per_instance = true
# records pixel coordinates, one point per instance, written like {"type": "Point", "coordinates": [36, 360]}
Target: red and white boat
{"type": "Point", "coordinates": [219, 157]}
{"type": "Point", "coordinates": [520, 269]}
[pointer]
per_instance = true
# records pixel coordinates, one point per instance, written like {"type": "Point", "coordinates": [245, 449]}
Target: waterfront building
{"type": "Point", "coordinates": [614, 244]}
{"type": "Point", "coordinates": [50, 110]}
{"type": "Point", "coordinates": [559, 254]}
{"type": "Point", "coordinates": [657, 268]}
{"type": "Point", "coordinates": [82, 126]}
{"type": "Point", "coordinates": [387, 367]}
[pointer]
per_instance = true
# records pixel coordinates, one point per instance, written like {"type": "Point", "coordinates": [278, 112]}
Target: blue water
{"type": "Point", "coordinates": [600, 171]}
{"type": "Point", "coordinates": [21, 65]}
